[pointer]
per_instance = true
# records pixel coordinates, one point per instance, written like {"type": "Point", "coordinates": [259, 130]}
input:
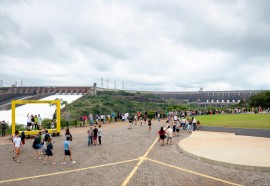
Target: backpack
{"type": "Point", "coordinates": [46, 137]}
{"type": "Point", "coordinates": [69, 135]}
{"type": "Point", "coordinates": [22, 135]}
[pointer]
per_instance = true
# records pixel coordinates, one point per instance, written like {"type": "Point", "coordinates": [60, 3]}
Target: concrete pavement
{"type": "Point", "coordinates": [228, 149]}
{"type": "Point", "coordinates": [126, 157]}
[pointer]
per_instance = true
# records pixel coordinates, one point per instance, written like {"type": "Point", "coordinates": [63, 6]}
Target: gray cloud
{"type": "Point", "coordinates": [148, 45]}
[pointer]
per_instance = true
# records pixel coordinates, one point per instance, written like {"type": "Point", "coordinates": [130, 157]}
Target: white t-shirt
{"type": "Point", "coordinates": [99, 133]}
{"type": "Point", "coordinates": [28, 119]}
{"type": "Point", "coordinates": [175, 118]}
{"type": "Point", "coordinates": [169, 132]}
{"type": "Point", "coordinates": [17, 141]}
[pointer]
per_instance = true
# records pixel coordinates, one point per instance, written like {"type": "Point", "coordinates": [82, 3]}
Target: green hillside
{"type": "Point", "coordinates": [108, 102]}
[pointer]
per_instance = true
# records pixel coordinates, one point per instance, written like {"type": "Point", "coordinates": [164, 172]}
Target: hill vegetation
{"type": "Point", "coordinates": [107, 102]}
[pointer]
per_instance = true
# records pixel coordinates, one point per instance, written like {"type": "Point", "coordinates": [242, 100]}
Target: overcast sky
{"type": "Point", "coordinates": [172, 45]}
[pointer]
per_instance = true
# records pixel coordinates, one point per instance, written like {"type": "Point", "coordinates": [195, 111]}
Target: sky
{"type": "Point", "coordinates": [153, 45]}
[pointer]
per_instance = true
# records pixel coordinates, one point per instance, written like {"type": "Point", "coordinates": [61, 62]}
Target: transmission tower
{"type": "Point", "coordinates": [1, 84]}
{"type": "Point", "coordinates": [21, 83]}
{"type": "Point", "coordinates": [114, 87]}
{"type": "Point", "coordinates": [123, 85]}
{"type": "Point", "coordinates": [101, 84]}
{"type": "Point", "coordinates": [107, 86]}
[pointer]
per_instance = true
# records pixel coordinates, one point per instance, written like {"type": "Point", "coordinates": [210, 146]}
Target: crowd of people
{"type": "Point", "coordinates": [42, 144]}
{"type": "Point", "coordinates": [34, 122]}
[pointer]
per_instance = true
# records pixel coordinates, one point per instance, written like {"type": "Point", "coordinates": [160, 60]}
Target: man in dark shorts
{"type": "Point", "coordinates": [67, 150]}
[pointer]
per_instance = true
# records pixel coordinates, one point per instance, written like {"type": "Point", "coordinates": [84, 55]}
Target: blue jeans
{"type": "Point", "coordinates": [90, 140]}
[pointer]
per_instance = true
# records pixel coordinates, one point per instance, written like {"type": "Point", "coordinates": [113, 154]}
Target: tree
{"type": "Point", "coordinates": [262, 99]}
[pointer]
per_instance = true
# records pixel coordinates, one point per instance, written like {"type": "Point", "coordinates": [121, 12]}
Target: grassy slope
{"type": "Point", "coordinates": [260, 121]}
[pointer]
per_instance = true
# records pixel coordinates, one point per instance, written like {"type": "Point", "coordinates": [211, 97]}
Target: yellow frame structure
{"type": "Point", "coordinates": [22, 102]}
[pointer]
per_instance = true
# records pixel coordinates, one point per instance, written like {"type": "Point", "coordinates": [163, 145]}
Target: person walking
{"type": "Point", "coordinates": [46, 137]}
{"type": "Point", "coordinates": [99, 134]}
{"type": "Point", "coordinates": [90, 136]}
{"type": "Point", "coordinates": [67, 151]}
{"type": "Point", "coordinates": [4, 126]}
{"type": "Point", "coordinates": [162, 136]}
{"type": "Point", "coordinates": [169, 135]}
{"type": "Point", "coordinates": [37, 146]}
{"type": "Point", "coordinates": [17, 144]}
{"type": "Point", "coordinates": [49, 151]}
{"type": "Point", "coordinates": [149, 125]}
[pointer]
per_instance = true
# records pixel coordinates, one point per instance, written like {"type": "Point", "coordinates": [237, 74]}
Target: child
{"type": "Point", "coordinates": [49, 151]}
{"type": "Point", "coordinates": [130, 122]}
{"type": "Point", "coordinates": [67, 150]}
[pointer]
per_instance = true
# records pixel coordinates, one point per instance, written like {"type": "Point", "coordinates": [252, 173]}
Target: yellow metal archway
{"type": "Point", "coordinates": [22, 102]}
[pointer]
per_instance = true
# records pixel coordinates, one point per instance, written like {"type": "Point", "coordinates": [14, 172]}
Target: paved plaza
{"type": "Point", "coordinates": [126, 157]}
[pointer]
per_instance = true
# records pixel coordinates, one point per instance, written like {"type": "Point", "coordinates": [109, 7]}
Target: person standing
{"type": "Point", "coordinates": [39, 122]}
{"type": "Point", "coordinates": [130, 120]}
{"type": "Point", "coordinates": [95, 131]}
{"type": "Point", "coordinates": [67, 151]}
{"type": "Point", "coordinates": [36, 122]}
{"type": "Point", "coordinates": [99, 134]}
{"type": "Point", "coordinates": [91, 119]}
{"type": "Point", "coordinates": [135, 119]}
{"type": "Point", "coordinates": [178, 128]}
{"type": "Point", "coordinates": [68, 134]}
{"type": "Point", "coordinates": [29, 123]}
{"type": "Point", "coordinates": [109, 118]}
{"type": "Point", "coordinates": [90, 136]}
{"type": "Point", "coordinates": [194, 122]}
{"type": "Point", "coordinates": [4, 126]}
{"type": "Point", "coordinates": [17, 144]}
{"type": "Point", "coordinates": [145, 117]}
{"type": "Point", "coordinates": [113, 117]}
{"type": "Point", "coordinates": [33, 121]}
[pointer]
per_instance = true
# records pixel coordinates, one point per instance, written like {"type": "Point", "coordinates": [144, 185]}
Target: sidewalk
{"type": "Point", "coordinates": [228, 149]}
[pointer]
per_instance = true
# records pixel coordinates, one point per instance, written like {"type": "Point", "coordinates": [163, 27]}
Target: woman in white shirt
{"type": "Point", "coordinates": [17, 143]}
